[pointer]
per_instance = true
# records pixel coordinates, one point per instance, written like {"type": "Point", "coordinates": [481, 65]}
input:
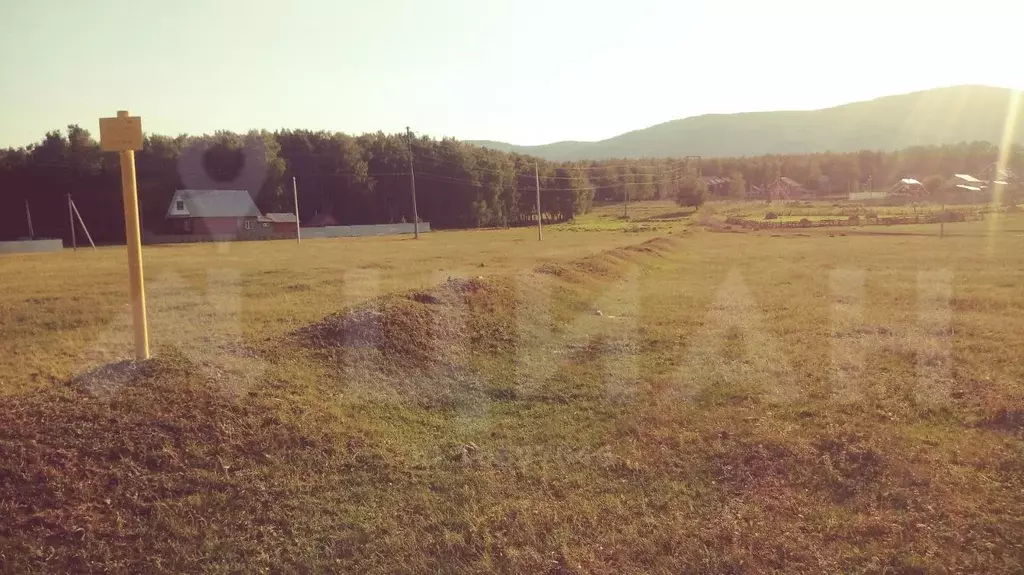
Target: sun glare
{"type": "Point", "coordinates": [1006, 150]}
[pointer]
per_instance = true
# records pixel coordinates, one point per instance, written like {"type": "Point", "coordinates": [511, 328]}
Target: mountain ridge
{"type": "Point", "coordinates": [928, 117]}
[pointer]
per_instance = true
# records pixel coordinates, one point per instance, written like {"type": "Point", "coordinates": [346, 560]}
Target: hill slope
{"type": "Point", "coordinates": [939, 116]}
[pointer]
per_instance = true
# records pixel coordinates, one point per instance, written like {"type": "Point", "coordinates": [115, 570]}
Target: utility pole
{"type": "Point", "coordinates": [691, 160]}
{"type": "Point", "coordinates": [688, 167]}
{"type": "Point", "coordinates": [942, 219]}
{"type": "Point", "coordinates": [28, 214]}
{"type": "Point", "coordinates": [540, 231]}
{"type": "Point", "coordinates": [625, 196]}
{"type": "Point", "coordinates": [295, 197]}
{"type": "Point", "coordinates": [412, 186]}
{"type": "Point", "coordinates": [71, 220]}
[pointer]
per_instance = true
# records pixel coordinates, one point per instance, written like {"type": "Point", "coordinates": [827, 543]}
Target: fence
{"type": "Point", "coordinates": [26, 246]}
{"type": "Point", "coordinates": [855, 221]}
{"type": "Point", "coordinates": [254, 235]}
{"type": "Point", "coordinates": [857, 196]}
{"type": "Point", "coordinates": [367, 230]}
{"type": "Point", "coordinates": [149, 238]}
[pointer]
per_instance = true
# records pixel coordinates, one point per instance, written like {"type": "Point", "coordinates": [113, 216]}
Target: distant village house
{"type": "Point", "coordinates": [718, 186]}
{"type": "Point", "coordinates": [223, 215]}
{"type": "Point", "coordinates": [321, 220]}
{"type": "Point", "coordinates": [908, 187]}
{"type": "Point", "coordinates": [786, 189]}
{"type": "Point", "coordinates": [968, 183]}
{"type": "Point", "coordinates": [280, 222]}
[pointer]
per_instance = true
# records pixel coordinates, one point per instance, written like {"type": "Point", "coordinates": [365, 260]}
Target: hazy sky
{"type": "Point", "coordinates": [523, 71]}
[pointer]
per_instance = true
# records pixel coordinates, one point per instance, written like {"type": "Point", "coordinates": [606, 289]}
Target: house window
{"type": "Point", "coordinates": [248, 224]}
{"type": "Point", "coordinates": [179, 205]}
{"type": "Point", "coordinates": [187, 225]}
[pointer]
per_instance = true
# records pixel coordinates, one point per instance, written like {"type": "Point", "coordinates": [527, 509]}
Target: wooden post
{"type": "Point", "coordinates": [132, 234]}
{"type": "Point", "coordinates": [123, 135]}
{"type": "Point", "coordinates": [71, 220]}
{"type": "Point", "coordinates": [295, 196]}
{"type": "Point", "coordinates": [540, 230]}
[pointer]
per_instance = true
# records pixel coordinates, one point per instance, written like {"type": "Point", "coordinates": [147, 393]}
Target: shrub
{"type": "Point", "coordinates": [771, 216]}
{"type": "Point", "coordinates": [805, 222]}
{"type": "Point", "coordinates": [854, 220]}
{"type": "Point", "coordinates": [935, 184]}
{"type": "Point", "coordinates": [692, 193]}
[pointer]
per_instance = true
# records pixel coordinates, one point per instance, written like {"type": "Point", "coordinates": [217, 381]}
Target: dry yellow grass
{"type": "Point", "coordinates": [745, 402]}
{"type": "Point", "coordinates": [65, 313]}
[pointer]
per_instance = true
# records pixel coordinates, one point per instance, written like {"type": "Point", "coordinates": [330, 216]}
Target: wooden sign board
{"type": "Point", "coordinates": [121, 133]}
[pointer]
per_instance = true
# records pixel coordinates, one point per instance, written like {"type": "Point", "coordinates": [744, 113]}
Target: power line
{"type": "Point", "coordinates": [659, 176]}
{"type": "Point", "coordinates": [438, 177]}
{"type": "Point", "coordinates": [673, 170]}
{"type": "Point", "coordinates": [412, 184]}
{"type": "Point", "coordinates": [558, 166]}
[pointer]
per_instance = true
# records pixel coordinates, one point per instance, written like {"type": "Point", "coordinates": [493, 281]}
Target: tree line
{"type": "Point", "coordinates": [358, 180]}
{"type": "Point", "coordinates": [366, 179]}
{"type": "Point", "coordinates": [836, 174]}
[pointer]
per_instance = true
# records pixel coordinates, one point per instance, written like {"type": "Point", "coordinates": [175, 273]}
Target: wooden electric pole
{"type": "Point", "coordinates": [942, 219]}
{"type": "Point", "coordinates": [625, 197]}
{"type": "Point", "coordinates": [540, 230]}
{"type": "Point", "coordinates": [412, 186]}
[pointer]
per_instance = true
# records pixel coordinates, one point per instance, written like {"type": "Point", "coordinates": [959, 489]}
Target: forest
{"type": "Point", "coordinates": [366, 179]}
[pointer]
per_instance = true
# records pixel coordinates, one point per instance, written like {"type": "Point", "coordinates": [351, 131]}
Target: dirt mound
{"type": "Point", "coordinates": [424, 328]}
{"type": "Point", "coordinates": [450, 323]}
{"type": "Point", "coordinates": [114, 376]}
{"type": "Point", "coordinates": [598, 267]}
{"type": "Point", "coordinates": [656, 246]}
{"type": "Point", "coordinates": [557, 270]}
{"type": "Point", "coordinates": [89, 481]}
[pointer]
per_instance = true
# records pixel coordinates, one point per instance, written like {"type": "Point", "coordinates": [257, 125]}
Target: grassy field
{"type": "Point", "coordinates": [824, 210]}
{"type": "Point", "coordinates": [607, 401]}
{"type": "Point", "coordinates": [798, 218]}
{"type": "Point", "coordinates": [655, 216]}
{"type": "Point", "coordinates": [67, 313]}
